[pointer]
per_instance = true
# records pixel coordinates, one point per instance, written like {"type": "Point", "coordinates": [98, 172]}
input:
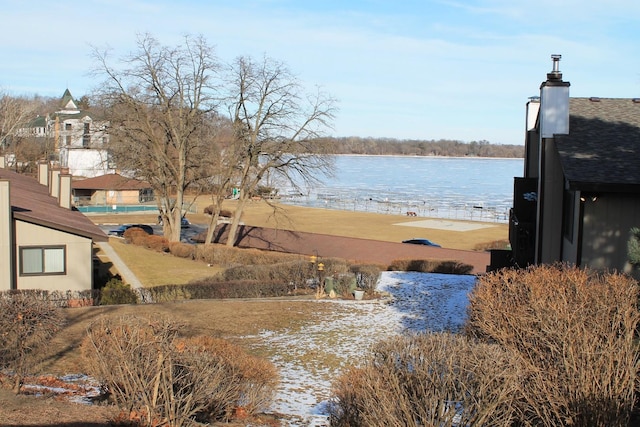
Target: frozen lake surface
{"type": "Point", "coordinates": [442, 187]}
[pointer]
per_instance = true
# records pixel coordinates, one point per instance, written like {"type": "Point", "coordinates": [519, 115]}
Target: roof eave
{"type": "Point", "coordinates": [96, 237]}
{"type": "Point", "coordinates": [602, 187]}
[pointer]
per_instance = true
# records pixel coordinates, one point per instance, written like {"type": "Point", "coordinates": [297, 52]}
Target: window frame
{"type": "Point", "coordinates": [43, 249]}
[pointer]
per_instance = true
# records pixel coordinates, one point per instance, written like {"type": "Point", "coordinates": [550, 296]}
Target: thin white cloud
{"type": "Point", "coordinates": [415, 69]}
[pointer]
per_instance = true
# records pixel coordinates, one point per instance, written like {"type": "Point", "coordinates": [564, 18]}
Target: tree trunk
{"type": "Point", "coordinates": [235, 223]}
{"type": "Point", "coordinates": [212, 228]}
{"type": "Point", "coordinates": [215, 214]}
{"type": "Point", "coordinates": [175, 225]}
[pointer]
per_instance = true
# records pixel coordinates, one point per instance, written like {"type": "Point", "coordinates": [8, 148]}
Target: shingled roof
{"type": "Point", "coordinates": [602, 150]}
{"type": "Point", "coordinates": [112, 181]}
{"type": "Point", "coordinates": [30, 202]}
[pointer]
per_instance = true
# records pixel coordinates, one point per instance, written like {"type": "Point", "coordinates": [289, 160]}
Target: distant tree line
{"type": "Point", "coordinates": [181, 119]}
{"type": "Point", "coordinates": [415, 147]}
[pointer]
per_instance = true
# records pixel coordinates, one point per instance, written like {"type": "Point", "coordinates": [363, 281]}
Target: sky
{"type": "Point", "coordinates": [404, 69]}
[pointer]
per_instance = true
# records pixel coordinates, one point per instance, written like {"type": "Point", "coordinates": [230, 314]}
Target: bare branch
{"type": "Point", "coordinates": [160, 104]}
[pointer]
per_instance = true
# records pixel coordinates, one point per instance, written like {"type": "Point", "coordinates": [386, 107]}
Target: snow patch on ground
{"type": "Point", "coordinates": [418, 302]}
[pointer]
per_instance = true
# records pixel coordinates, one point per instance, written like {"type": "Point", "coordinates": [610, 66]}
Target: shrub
{"type": "Point", "coordinates": [28, 320]}
{"type": "Point", "coordinates": [367, 275]}
{"type": "Point", "coordinates": [572, 331]}
{"type": "Point", "coordinates": [294, 272]}
{"type": "Point", "coordinates": [430, 266]}
{"type": "Point", "coordinates": [256, 379]}
{"type": "Point", "coordinates": [343, 284]}
{"type": "Point", "coordinates": [427, 380]}
{"type": "Point", "coordinates": [497, 244]}
{"type": "Point", "coordinates": [182, 250]}
{"type": "Point", "coordinates": [134, 235]}
{"type": "Point", "coordinates": [117, 292]}
{"type": "Point", "coordinates": [633, 247]}
{"type": "Point", "coordinates": [232, 256]}
{"type": "Point", "coordinates": [334, 265]}
{"type": "Point", "coordinates": [225, 213]}
{"type": "Point", "coordinates": [453, 267]}
{"type": "Point", "coordinates": [155, 243]}
{"type": "Point", "coordinates": [165, 380]}
{"type": "Point", "coordinates": [213, 288]}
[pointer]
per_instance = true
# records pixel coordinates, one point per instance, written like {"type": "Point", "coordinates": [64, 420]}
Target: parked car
{"type": "Point", "coordinates": [421, 241]}
{"type": "Point", "coordinates": [120, 230]}
{"type": "Point", "coordinates": [184, 222]}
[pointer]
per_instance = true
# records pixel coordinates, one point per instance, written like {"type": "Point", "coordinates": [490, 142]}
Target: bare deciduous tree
{"type": "Point", "coordinates": [159, 104]}
{"type": "Point", "coordinates": [275, 124]}
{"type": "Point", "coordinates": [15, 115]}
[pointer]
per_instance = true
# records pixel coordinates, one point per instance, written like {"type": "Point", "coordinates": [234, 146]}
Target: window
{"type": "Point", "coordinates": [86, 136]}
{"type": "Point", "coordinates": [111, 164]}
{"type": "Point", "coordinates": [36, 260]}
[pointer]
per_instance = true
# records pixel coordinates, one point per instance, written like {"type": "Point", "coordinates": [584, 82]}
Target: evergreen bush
{"type": "Point", "coordinates": [633, 247]}
{"type": "Point", "coordinates": [117, 292]}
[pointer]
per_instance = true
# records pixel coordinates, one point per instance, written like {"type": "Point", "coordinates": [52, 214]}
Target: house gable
{"type": "Point", "coordinates": [587, 187]}
{"type": "Point", "coordinates": [77, 254]}
{"type": "Point", "coordinates": [34, 220]}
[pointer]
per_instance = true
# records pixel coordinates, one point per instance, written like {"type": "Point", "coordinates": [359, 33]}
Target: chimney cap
{"type": "Point", "coordinates": [555, 73]}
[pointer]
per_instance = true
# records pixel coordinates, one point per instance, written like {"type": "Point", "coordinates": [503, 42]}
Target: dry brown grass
{"type": "Point", "coordinates": [364, 225]}
{"type": "Point", "coordinates": [155, 269]}
{"type": "Point", "coordinates": [230, 319]}
{"type": "Point", "coordinates": [158, 268]}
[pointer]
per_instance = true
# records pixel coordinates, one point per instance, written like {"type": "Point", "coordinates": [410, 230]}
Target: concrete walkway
{"type": "Point", "coordinates": [126, 274]}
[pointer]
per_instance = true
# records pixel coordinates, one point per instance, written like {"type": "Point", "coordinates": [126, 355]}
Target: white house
{"type": "Point", "coordinates": [79, 139]}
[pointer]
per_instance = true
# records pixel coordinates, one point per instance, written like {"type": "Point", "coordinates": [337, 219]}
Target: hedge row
{"type": "Point", "coordinates": [431, 266]}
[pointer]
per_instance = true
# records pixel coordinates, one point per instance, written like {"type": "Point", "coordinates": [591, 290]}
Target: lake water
{"type": "Point", "coordinates": [478, 189]}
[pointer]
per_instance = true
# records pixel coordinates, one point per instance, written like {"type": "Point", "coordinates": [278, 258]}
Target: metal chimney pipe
{"type": "Point", "coordinates": [555, 74]}
{"type": "Point", "coordinates": [556, 62]}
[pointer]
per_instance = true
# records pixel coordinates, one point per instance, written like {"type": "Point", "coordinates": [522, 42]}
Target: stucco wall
{"type": "Point", "coordinates": [123, 197]}
{"type": "Point", "coordinates": [79, 268]}
{"type": "Point", "coordinates": [115, 197]}
{"type": "Point", "coordinates": [87, 163]}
